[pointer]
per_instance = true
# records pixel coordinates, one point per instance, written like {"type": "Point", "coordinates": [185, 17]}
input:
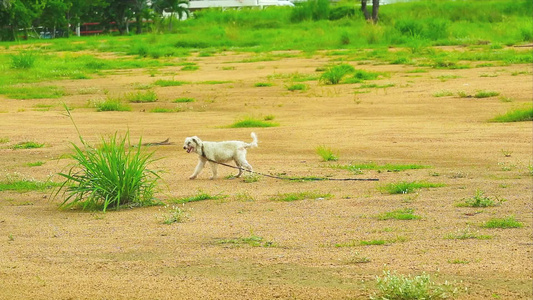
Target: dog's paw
{"type": "Point", "coordinates": [192, 177]}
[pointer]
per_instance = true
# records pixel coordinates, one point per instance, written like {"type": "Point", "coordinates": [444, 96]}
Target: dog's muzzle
{"type": "Point", "coordinates": [189, 149]}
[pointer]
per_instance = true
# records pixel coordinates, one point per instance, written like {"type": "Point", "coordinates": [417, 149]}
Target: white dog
{"type": "Point", "coordinates": [219, 152]}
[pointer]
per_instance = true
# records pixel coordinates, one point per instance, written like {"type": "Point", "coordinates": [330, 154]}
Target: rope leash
{"type": "Point", "coordinates": [289, 178]}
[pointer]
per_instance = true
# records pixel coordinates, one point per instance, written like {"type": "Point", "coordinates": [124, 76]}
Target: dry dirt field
{"type": "Point", "coordinates": [305, 249]}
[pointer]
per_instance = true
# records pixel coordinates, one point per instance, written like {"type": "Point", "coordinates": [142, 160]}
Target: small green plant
{"type": "Point", "coordinates": [32, 92]}
{"type": "Point", "coordinates": [111, 104]}
{"type": "Point", "coordinates": [486, 94]}
{"type": "Point", "coordinates": [372, 242]}
{"type": "Point", "coordinates": [297, 87]}
{"type": "Point", "coordinates": [399, 214]}
{"type": "Point", "coordinates": [183, 100]}
{"type": "Point", "coordinates": [165, 110]}
{"type": "Point", "coordinates": [289, 197]}
{"type": "Point", "coordinates": [10, 237]}
{"type": "Point", "coordinates": [112, 174]}
{"type": "Point", "coordinates": [252, 240]}
{"type": "Point", "coordinates": [355, 258]}
{"type": "Point", "coordinates": [141, 97]}
{"type": "Point", "coordinates": [176, 214]}
{"type": "Point", "coordinates": [251, 178]}
{"type": "Point", "coordinates": [27, 145]}
{"type": "Point", "coordinates": [443, 93]}
{"type": "Point", "coordinates": [480, 200]}
{"type": "Point", "coordinates": [35, 164]}
{"type": "Point", "coordinates": [200, 196]}
{"type": "Point", "coordinates": [401, 287]}
{"type": "Point", "coordinates": [326, 153]}
{"type": "Point", "coordinates": [23, 60]}
{"type": "Point", "coordinates": [164, 83]}
{"type": "Point", "coordinates": [509, 222]}
{"type": "Point", "coordinates": [269, 117]}
{"type": "Point", "coordinates": [334, 74]}
{"type": "Point", "coordinates": [250, 122]}
{"type": "Point", "coordinates": [263, 84]}
{"type": "Point", "coordinates": [404, 187]}
{"type": "Point", "coordinates": [467, 234]}
{"type": "Point", "coordinates": [517, 115]}
{"type": "Point", "coordinates": [358, 167]}
{"type": "Point", "coordinates": [4, 140]}
{"type": "Point", "coordinates": [190, 67]}
{"type": "Point", "coordinates": [22, 185]}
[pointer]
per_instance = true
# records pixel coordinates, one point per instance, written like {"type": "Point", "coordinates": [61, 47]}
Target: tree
{"type": "Point", "coordinates": [375, 10]}
{"type": "Point", "coordinates": [174, 7]}
{"type": "Point", "coordinates": [54, 15]}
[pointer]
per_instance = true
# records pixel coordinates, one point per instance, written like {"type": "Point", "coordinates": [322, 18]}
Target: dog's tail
{"type": "Point", "coordinates": [253, 144]}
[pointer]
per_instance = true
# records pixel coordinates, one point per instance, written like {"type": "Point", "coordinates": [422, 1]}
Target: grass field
{"type": "Point", "coordinates": [439, 114]}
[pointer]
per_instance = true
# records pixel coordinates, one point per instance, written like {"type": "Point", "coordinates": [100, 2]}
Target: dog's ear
{"type": "Point", "coordinates": [196, 140]}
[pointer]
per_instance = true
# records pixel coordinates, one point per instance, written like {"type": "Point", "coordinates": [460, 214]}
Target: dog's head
{"type": "Point", "coordinates": [192, 143]}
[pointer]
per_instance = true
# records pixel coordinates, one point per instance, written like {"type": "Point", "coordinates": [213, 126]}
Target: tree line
{"type": "Point", "coordinates": [18, 17]}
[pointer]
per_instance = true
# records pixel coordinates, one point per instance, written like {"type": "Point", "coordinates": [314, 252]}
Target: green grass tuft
{"type": "Point", "coordinates": [23, 60]}
{"type": "Point", "coordinates": [201, 196]}
{"type": "Point", "coordinates": [27, 145]}
{"type": "Point", "coordinates": [399, 214]}
{"type": "Point", "coordinates": [480, 200]}
{"type": "Point", "coordinates": [26, 185]}
{"type": "Point", "coordinates": [111, 104]}
{"type": "Point", "coordinates": [183, 100]}
{"type": "Point", "coordinates": [289, 197]}
{"type": "Point", "coordinates": [404, 187]}
{"type": "Point", "coordinates": [164, 83]}
{"type": "Point", "coordinates": [141, 97]}
{"type": "Point", "coordinates": [32, 92]}
{"type": "Point", "coordinates": [113, 174]}
{"type": "Point", "coordinates": [518, 115]}
{"type": "Point", "coordinates": [297, 87]}
{"type": "Point", "coordinates": [326, 153]}
{"type": "Point", "coordinates": [486, 94]}
{"type": "Point", "coordinates": [509, 222]}
{"type": "Point", "coordinates": [392, 286]}
{"type": "Point", "coordinates": [251, 122]}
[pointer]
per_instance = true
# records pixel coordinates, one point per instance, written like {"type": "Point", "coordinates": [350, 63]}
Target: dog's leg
{"type": "Point", "coordinates": [199, 167]}
{"type": "Point", "coordinates": [214, 170]}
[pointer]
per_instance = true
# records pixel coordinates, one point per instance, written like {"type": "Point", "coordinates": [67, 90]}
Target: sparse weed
{"type": "Point", "coordinates": [358, 167]}
{"type": "Point", "coordinates": [509, 222]}
{"type": "Point", "coordinates": [480, 200]}
{"type": "Point", "coordinates": [183, 100]}
{"type": "Point", "coordinates": [297, 87]}
{"type": "Point", "coordinates": [392, 286]}
{"type": "Point", "coordinates": [23, 60]}
{"type": "Point", "coordinates": [165, 110]}
{"type": "Point", "coordinates": [200, 196]}
{"type": "Point", "coordinates": [27, 145]}
{"type": "Point", "coordinates": [252, 240]}
{"type": "Point", "coordinates": [467, 234]}
{"type": "Point", "coordinates": [35, 164]}
{"type": "Point", "coordinates": [140, 97]}
{"type": "Point", "coordinates": [486, 94]}
{"type": "Point", "coordinates": [175, 214]}
{"type": "Point", "coordinates": [443, 93]}
{"type": "Point", "coordinates": [326, 153]}
{"type": "Point", "coordinates": [250, 122]}
{"type": "Point", "coordinates": [250, 178]}
{"type": "Point", "coordinates": [22, 185]}
{"type": "Point", "coordinates": [263, 84]}
{"type": "Point", "coordinates": [165, 83]}
{"type": "Point", "coordinates": [111, 104]}
{"type": "Point", "coordinates": [355, 258]}
{"type": "Point", "coordinates": [4, 140]}
{"type": "Point", "coordinates": [289, 197]}
{"type": "Point", "coordinates": [518, 115]}
{"type": "Point", "coordinates": [404, 187]}
{"type": "Point", "coordinates": [399, 214]}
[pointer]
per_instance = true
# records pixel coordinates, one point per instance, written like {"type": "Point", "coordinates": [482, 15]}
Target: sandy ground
{"type": "Point", "coordinates": [48, 253]}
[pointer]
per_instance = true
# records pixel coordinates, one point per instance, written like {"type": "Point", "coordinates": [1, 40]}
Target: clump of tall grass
{"type": "Point", "coordinates": [110, 175]}
{"type": "Point", "coordinates": [23, 60]}
{"type": "Point", "coordinates": [517, 115]}
{"type": "Point", "coordinates": [326, 153]}
{"type": "Point", "coordinates": [334, 74]}
{"type": "Point", "coordinates": [141, 97]}
{"type": "Point", "coordinates": [111, 104]}
{"type": "Point", "coordinates": [399, 214]}
{"type": "Point", "coordinates": [289, 197]}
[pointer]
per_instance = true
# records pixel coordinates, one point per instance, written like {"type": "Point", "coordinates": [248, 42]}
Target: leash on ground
{"type": "Point", "coordinates": [290, 178]}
